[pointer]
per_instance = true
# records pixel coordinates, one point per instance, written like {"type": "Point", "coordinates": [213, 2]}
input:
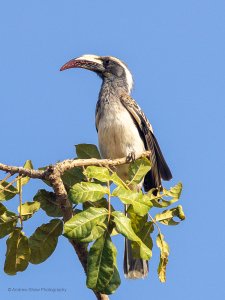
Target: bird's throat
{"type": "Point", "coordinates": [113, 88]}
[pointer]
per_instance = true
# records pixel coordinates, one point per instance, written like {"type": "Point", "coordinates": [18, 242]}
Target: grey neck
{"type": "Point", "coordinates": [112, 88]}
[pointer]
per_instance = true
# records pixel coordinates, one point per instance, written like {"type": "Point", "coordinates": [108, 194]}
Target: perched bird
{"type": "Point", "coordinates": [123, 129]}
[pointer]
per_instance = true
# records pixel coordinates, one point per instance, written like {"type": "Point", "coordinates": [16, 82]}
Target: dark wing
{"type": "Point", "coordinates": [159, 168]}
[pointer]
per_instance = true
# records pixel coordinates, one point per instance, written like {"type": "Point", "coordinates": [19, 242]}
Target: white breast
{"type": "Point", "coordinates": [118, 135]}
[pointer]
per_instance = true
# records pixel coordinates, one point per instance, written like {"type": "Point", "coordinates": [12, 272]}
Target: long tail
{"type": "Point", "coordinates": [133, 268]}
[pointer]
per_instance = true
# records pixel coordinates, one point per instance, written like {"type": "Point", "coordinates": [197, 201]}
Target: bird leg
{"type": "Point", "coordinates": [130, 157]}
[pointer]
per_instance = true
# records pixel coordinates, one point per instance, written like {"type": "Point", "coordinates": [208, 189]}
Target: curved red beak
{"type": "Point", "coordinates": [89, 62]}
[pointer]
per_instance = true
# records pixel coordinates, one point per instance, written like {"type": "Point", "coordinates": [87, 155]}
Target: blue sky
{"type": "Point", "coordinates": [175, 50]}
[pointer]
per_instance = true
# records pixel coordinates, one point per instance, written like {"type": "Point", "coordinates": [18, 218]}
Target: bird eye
{"type": "Point", "coordinates": [106, 62]}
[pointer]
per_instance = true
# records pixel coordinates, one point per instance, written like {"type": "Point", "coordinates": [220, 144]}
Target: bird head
{"type": "Point", "coordinates": [107, 67]}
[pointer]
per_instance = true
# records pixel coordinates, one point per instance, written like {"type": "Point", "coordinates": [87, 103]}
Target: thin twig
{"type": "Point", "coordinates": [21, 200]}
{"type": "Point", "coordinates": [154, 221]}
{"type": "Point", "coordinates": [10, 184]}
{"type": "Point", "coordinates": [159, 230]}
{"type": "Point", "coordinates": [4, 179]}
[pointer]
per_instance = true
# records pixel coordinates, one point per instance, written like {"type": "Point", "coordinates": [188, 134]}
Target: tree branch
{"type": "Point", "coordinates": [53, 174]}
{"type": "Point", "coordinates": [70, 163]}
{"type": "Point", "coordinates": [66, 165]}
{"type": "Point", "coordinates": [22, 171]}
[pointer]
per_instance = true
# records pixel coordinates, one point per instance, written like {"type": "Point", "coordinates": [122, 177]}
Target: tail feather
{"type": "Point", "coordinates": [134, 268]}
{"type": "Point", "coordinates": [164, 170]}
{"type": "Point", "coordinates": [152, 179]}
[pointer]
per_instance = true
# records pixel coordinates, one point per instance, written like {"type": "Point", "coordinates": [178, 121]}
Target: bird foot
{"type": "Point", "coordinates": [130, 157]}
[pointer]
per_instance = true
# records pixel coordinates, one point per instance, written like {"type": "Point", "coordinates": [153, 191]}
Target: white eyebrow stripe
{"type": "Point", "coordinates": [90, 57]}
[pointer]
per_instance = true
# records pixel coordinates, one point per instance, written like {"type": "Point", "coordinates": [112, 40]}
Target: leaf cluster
{"type": "Point", "coordinates": [95, 189]}
{"type": "Point", "coordinates": [22, 250]}
{"type": "Point", "coordinates": [99, 221]}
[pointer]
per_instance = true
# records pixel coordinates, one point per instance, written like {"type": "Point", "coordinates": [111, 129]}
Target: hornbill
{"type": "Point", "coordinates": [123, 129]}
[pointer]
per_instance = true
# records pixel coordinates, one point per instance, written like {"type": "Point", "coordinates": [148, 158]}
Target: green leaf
{"type": "Point", "coordinates": [159, 201]}
{"type": "Point", "coordinates": [143, 230]}
{"type": "Point", "coordinates": [73, 176]}
{"type": "Point", "coordinates": [162, 203]}
{"type": "Point", "coordinates": [87, 151]}
{"type": "Point", "coordinates": [113, 284]}
{"type": "Point", "coordinates": [137, 222]}
{"type": "Point", "coordinates": [115, 281]}
{"type": "Point", "coordinates": [117, 180]}
{"type": "Point", "coordinates": [87, 191]}
{"type": "Point", "coordinates": [99, 173]}
{"type": "Point", "coordinates": [100, 203]}
{"type": "Point", "coordinates": [96, 233]}
{"type": "Point", "coordinates": [7, 193]}
{"type": "Point", "coordinates": [140, 202]}
{"type": "Point", "coordinates": [100, 266]}
{"type": "Point", "coordinates": [181, 214]}
{"type": "Point", "coordinates": [24, 180]}
{"type": "Point", "coordinates": [28, 209]}
{"type": "Point", "coordinates": [174, 192]}
{"type": "Point", "coordinates": [138, 169]}
{"type": "Point", "coordinates": [86, 225]}
{"type": "Point", "coordinates": [8, 221]}
{"type": "Point", "coordinates": [44, 240]}
{"type": "Point", "coordinates": [2, 209]}
{"type": "Point", "coordinates": [145, 235]}
{"type": "Point", "coordinates": [123, 225]}
{"type": "Point", "coordinates": [17, 254]}
{"type": "Point", "coordinates": [166, 217]}
{"type": "Point", "coordinates": [164, 253]}
{"type": "Point", "coordinates": [48, 203]}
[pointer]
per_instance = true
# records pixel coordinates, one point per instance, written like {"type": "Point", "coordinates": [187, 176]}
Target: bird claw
{"type": "Point", "coordinates": [130, 157]}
